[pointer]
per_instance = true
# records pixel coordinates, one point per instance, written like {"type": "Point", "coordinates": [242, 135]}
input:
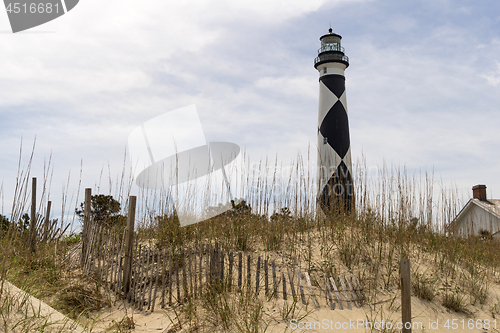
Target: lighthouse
{"type": "Point", "coordinates": [335, 190]}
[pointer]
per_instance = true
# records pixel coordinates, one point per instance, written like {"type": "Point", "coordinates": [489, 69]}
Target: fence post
{"type": "Point", "coordinates": [230, 274]}
{"type": "Point", "coordinates": [275, 281]}
{"type": "Point", "coordinates": [257, 276]}
{"type": "Point", "coordinates": [129, 243]}
{"type": "Point", "coordinates": [86, 226]}
{"type": "Point", "coordinates": [46, 224]}
{"type": "Point", "coordinates": [33, 216]}
{"type": "Point", "coordinates": [249, 272]}
{"type": "Point", "coordinates": [266, 277]}
{"type": "Point", "coordinates": [284, 286]}
{"type": "Point", "coordinates": [405, 295]}
{"type": "Point", "coordinates": [240, 268]}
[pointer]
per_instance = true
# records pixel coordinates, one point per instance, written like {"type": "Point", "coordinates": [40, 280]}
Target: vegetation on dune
{"type": "Point", "coordinates": [104, 210]}
{"type": "Point", "coordinates": [4, 223]}
{"type": "Point", "coordinates": [396, 216]}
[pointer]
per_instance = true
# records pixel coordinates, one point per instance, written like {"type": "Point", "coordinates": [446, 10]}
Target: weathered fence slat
{"type": "Point", "coordinates": [214, 264]}
{"type": "Point", "coordinates": [230, 273]}
{"type": "Point", "coordinates": [208, 267]}
{"type": "Point", "coordinates": [275, 281]}
{"type": "Point", "coordinates": [345, 293]}
{"type": "Point", "coordinates": [201, 269]}
{"type": "Point", "coordinates": [353, 295]}
{"type": "Point", "coordinates": [120, 264]}
{"type": "Point", "coordinates": [332, 281]}
{"type": "Point", "coordinates": [249, 271]}
{"type": "Point", "coordinates": [88, 246]}
{"type": "Point", "coordinates": [164, 278]}
{"type": "Point", "coordinates": [86, 227]}
{"type": "Point", "coordinates": [257, 276]}
{"type": "Point", "coordinates": [103, 256]}
{"type": "Point", "coordinates": [158, 262]}
{"type": "Point", "coordinates": [311, 291]}
{"type": "Point", "coordinates": [284, 286]}
{"type": "Point", "coordinates": [357, 288]}
{"type": "Point", "coordinates": [266, 278]}
{"type": "Point", "coordinates": [240, 269]}
{"type": "Point", "coordinates": [151, 278]}
{"type": "Point", "coordinates": [113, 260]}
{"type": "Point", "coordinates": [95, 238]}
{"type": "Point", "coordinates": [301, 286]}
{"type": "Point", "coordinates": [221, 277]}
{"type": "Point", "coordinates": [105, 260]}
{"type": "Point", "coordinates": [177, 278]}
{"type": "Point", "coordinates": [91, 250]}
{"type": "Point", "coordinates": [95, 246]}
{"type": "Point", "coordinates": [129, 243]}
{"type": "Point", "coordinates": [141, 262]}
{"type": "Point", "coordinates": [114, 251]}
{"type": "Point", "coordinates": [170, 275]}
{"type": "Point", "coordinates": [292, 287]}
{"type": "Point", "coordinates": [108, 258]}
{"type": "Point", "coordinates": [99, 254]}
{"type": "Point", "coordinates": [145, 279]}
{"type": "Point", "coordinates": [190, 270]}
{"type": "Point", "coordinates": [195, 271]}
{"type": "Point", "coordinates": [329, 293]}
{"type": "Point", "coordinates": [132, 296]}
{"type": "Point", "coordinates": [136, 273]}
{"type": "Point", "coordinates": [184, 276]}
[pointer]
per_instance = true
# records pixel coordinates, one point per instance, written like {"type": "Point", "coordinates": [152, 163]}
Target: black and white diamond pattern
{"type": "Point", "coordinates": [334, 160]}
{"type": "Point", "coordinates": [337, 193]}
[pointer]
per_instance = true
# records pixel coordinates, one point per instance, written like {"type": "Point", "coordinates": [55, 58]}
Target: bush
{"type": "Point", "coordinates": [454, 301]}
{"type": "Point", "coordinates": [4, 223]}
{"type": "Point", "coordinates": [104, 210]}
{"type": "Point", "coordinates": [72, 239]}
{"type": "Point", "coordinates": [423, 287]}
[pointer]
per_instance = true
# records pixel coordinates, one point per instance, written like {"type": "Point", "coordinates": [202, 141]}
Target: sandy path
{"type": "Point", "coordinates": [29, 314]}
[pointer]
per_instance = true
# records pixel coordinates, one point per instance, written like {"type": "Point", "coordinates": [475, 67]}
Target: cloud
{"type": "Point", "coordinates": [493, 78]}
{"type": "Point", "coordinates": [426, 105]}
{"type": "Point", "coordinates": [289, 86]}
{"type": "Point", "coordinates": [421, 89]}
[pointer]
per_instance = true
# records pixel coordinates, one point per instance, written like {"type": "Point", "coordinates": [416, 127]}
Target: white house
{"type": "Point", "coordinates": [478, 215]}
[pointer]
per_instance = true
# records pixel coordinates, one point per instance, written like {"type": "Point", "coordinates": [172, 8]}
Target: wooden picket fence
{"type": "Point", "coordinates": [147, 276]}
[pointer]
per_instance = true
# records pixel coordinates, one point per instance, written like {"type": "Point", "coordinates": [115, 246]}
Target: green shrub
{"type": "Point", "coordinates": [454, 302]}
{"type": "Point", "coordinates": [423, 287]}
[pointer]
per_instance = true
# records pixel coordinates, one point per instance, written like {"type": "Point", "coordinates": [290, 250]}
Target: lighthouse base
{"type": "Point", "coordinates": [337, 195]}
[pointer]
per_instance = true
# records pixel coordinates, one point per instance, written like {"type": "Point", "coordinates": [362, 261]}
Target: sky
{"type": "Point", "coordinates": [423, 85]}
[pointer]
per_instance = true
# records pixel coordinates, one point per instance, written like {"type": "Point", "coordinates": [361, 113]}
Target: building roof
{"type": "Point", "coordinates": [492, 206]}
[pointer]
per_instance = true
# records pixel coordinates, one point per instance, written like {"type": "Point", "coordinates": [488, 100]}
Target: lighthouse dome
{"type": "Point", "coordinates": [331, 50]}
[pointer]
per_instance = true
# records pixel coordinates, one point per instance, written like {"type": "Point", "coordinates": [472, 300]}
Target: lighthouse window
{"type": "Point", "coordinates": [325, 140]}
{"type": "Point", "coordinates": [324, 70]}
